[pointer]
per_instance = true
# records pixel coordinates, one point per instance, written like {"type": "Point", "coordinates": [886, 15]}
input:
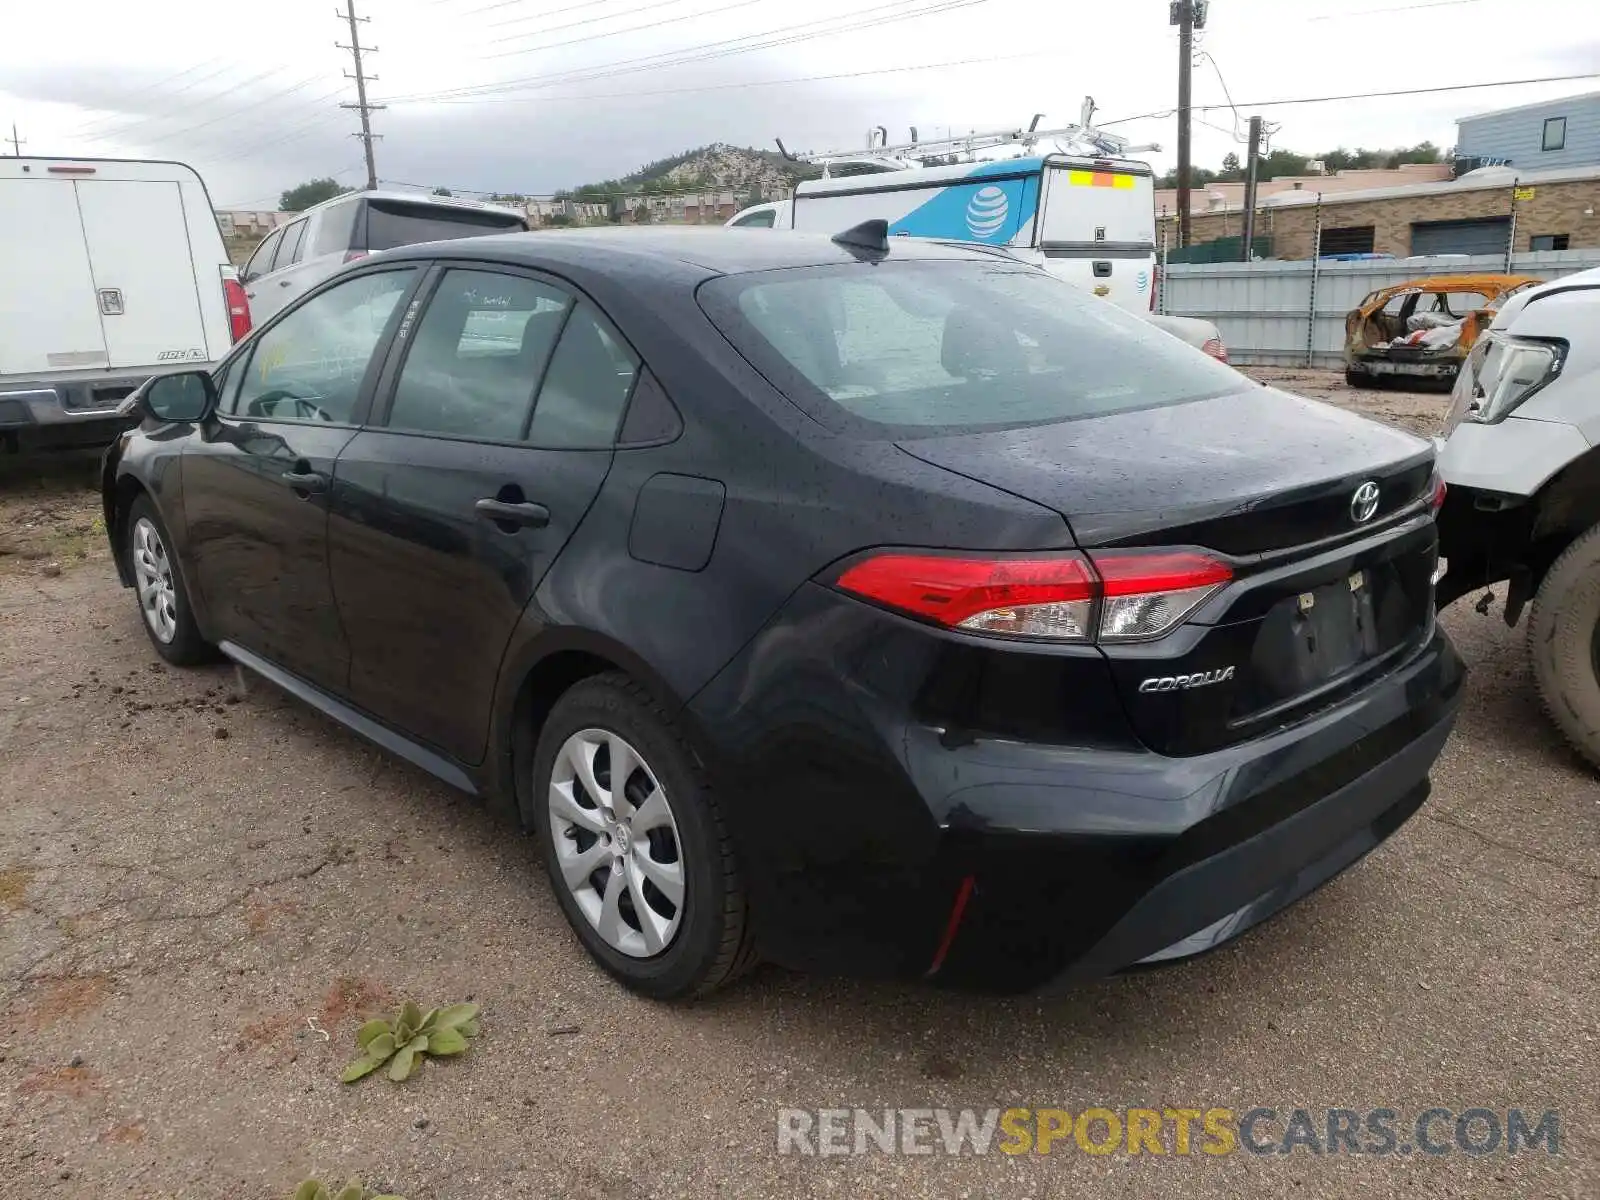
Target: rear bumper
{"type": "Point", "coordinates": [860, 824]}
{"type": "Point", "coordinates": [1445, 369]}
{"type": "Point", "coordinates": [76, 412]}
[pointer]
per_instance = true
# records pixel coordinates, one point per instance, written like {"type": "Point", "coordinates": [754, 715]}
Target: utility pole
{"type": "Point", "coordinates": [1187, 15]}
{"type": "Point", "coordinates": [356, 48]}
{"type": "Point", "coordinates": [17, 143]}
{"type": "Point", "coordinates": [1253, 164]}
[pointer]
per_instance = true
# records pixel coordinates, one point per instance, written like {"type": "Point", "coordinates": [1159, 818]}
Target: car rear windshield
{"type": "Point", "coordinates": [394, 223]}
{"type": "Point", "coordinates": [905, 349]}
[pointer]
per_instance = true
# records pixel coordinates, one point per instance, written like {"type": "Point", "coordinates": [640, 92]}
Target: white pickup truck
{"type": "Point", "coordinates": [111, 271]}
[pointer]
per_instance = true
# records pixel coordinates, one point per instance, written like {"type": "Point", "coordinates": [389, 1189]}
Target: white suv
{"type": "Point", "coordinates": [1522, 462]}
{"type": "Point", "coordinates": [294, 259]}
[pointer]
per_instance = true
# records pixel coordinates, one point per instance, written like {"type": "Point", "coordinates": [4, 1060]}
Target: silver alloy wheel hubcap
{"type": "Point", "coordinates": [152, 576]}
{"type": "Point", "coordinates": [616, 842]}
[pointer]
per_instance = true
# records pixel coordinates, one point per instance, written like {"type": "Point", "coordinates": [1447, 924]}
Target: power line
{"type": "Point", "coordinates": [234, 114]}
{"type": "Point", "coordinates": [1426, 91]}
{"type": "Point", "coordinates": [610, 33]}
{"type": "Point", "coordinates": [556, 12]}
{"type": "Point", "coordinates": [720, 87]}
{"type": "Point", "coordinates": [1373, 12]}
{"type": "Point", "coordinates": [727, 47]}
{"type": "Point", "coordinates": [597, 20]}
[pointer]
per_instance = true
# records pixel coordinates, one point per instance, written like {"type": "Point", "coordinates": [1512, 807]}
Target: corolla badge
{"type": "Point", "coordinates": [1182, 683]}
{"type": "Point", "coordinates": [1364, 503]}
{"type": "Point", "coordinates": [987, 211]}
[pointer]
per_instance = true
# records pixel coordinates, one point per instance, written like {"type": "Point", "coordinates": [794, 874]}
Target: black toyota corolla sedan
{"type": "Point", "coordinates": [857, 604]}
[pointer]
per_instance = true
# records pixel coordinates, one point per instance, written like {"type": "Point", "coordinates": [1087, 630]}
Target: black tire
{"type": "Point", "coordinates": [1362, 379]}
{"type": "Point", "coordinates": [712, 944]}
{"type": "Point", "coordinates": [1562, 641]}
{"type": "Point", "coordinates": [185, 647]}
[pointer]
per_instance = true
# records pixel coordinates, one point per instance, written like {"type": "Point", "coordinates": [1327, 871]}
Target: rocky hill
{"type": "Point", "coordinates": [719, 166]}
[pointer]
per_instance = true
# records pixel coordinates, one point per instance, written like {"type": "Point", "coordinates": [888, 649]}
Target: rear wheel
{"type": "Point", "coordinates": [158, 585]}
{"type": "Point", "coordinates": [638, 855]}
{"type": "Point", "coordinates": [1564, 642]}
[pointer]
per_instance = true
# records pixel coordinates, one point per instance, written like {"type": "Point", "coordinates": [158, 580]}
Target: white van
{"type": "Point", "coordinates": [1090, 221]}
{"type": "Point", "coordinates": [110, 271]}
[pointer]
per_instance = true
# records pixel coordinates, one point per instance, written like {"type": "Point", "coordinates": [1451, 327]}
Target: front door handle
{"type": "Point", "coordinates": [524, 513]}
{"type": "Point", "coordinates": [285, 282]}
{"type": "Point", "coordinates": [306, 482]}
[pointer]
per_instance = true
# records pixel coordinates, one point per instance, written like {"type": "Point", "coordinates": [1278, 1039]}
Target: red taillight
{"type": "Point", "coordinates": [1439, 491]}
{"type": "Point", "coordinates": [351, 256]}
{"type": "Point", "coordinates": [1215, 348]}
{"type": "Point", "coordinates": [238, 305]}
{"type": "Point", "coordinates": [1116, 596]}
{"type": "Point", "coordinates": [1155, 286]}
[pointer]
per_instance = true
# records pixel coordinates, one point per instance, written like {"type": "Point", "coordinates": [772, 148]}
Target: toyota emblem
{"type": "Point", "coordinates": [1364, 503]}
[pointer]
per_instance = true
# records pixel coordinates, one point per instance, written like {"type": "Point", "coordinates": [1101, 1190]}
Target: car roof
{"type": "Point", "coordinates": [713, 250]}
{"type": "Point", "coordinates": [1484, 285]}
{"type": "Point", "coordinates": [422, 198]}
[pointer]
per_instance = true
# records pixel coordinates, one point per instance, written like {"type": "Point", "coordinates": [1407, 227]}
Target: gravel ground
{"type": "Point", "coordinates": [204, 887]}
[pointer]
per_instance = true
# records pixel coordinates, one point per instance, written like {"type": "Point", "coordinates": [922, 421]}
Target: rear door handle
{"type": "Point", "coordinates": [285, 282]}
{"type": "Point", "coordinates": [506, 512]}
{"type": "Point", "coordinates": [306, 481]}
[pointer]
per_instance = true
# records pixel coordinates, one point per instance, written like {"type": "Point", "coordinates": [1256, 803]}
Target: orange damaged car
{"type": "Point", "coordinates": [1423, 329]}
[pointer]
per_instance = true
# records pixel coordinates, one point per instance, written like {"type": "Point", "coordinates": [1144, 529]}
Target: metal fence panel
{"type": "Point", "coordinates": [1261, 307]}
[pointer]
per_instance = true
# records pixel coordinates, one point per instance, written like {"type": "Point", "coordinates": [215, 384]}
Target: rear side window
{"type": "Point", "coordinates": [335, 229]}
{"type": "Point", "coordinates": [587, 386]}
{"type": "Point", "coordinates": [759, 220]}
{"type": "Point", "coordinates": [261, 261]}
{"type": "Point", "coordinates": [909, 348]}
{"type": "Point", "coordinates": [289, 249]}
{"type": "Point", "coordinates": [477, 356]}
{"type": "Point", "coordinates": [392, 223]}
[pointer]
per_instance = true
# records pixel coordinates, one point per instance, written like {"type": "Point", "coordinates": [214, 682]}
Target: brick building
{"type": "Point", "coordinates": [1554, 210]}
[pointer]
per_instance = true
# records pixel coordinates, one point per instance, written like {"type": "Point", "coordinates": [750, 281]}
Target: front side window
{"type": "Point", "coordinates": [1555, 133]}
{"type": "Point", "coordinates": [261, 261]}
{"type": "Point", "coordinates": [310, 364]}
{"type": "Point", "coordinates": [477, 355]}
{"type": "Point", "coordinates": [913, 348]}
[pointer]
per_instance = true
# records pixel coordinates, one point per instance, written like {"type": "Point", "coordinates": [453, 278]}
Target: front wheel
{"type": "Point", "coordinates": [1564, 642]}
{"type": "Point", "coordinates": [158, 585]}
{"type": "Point", "coordinates": [636, 848]}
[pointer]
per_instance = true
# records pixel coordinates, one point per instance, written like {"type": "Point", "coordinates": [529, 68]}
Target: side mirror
{"type": "Point", "coordinates": [184, 396]}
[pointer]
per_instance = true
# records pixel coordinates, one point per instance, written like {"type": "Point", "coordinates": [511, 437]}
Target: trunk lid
{"type": "Point", "coordinates": [1247, 473]}
{"type": "Point", "coordinates": [1321, 601]}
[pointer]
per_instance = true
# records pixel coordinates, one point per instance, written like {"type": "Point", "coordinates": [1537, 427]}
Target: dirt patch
{"type": "Point", "coordinates": [260, 915]}
{"type": "Point", "coordinates": [76, 1083]}
{"type": "Point", "coordinates": [353, 997]}
{"type": "Point", "coordinates": [128, 1133]}
{"type": "Point", "coordinates": [14, 888]}
{"type": "Point", "coordinates": [55, 1000]}
{"type": "Point", "coordinates": [50, 515]}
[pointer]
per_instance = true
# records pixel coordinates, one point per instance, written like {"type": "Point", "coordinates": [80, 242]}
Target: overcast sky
{"type": "Point", "coordinates": [248, 94]}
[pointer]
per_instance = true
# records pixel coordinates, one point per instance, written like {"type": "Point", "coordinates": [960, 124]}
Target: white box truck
{"type": "Point", "coordinates": [111, 271]}
{"type": "Point", "coordinates": [1089, 219]}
